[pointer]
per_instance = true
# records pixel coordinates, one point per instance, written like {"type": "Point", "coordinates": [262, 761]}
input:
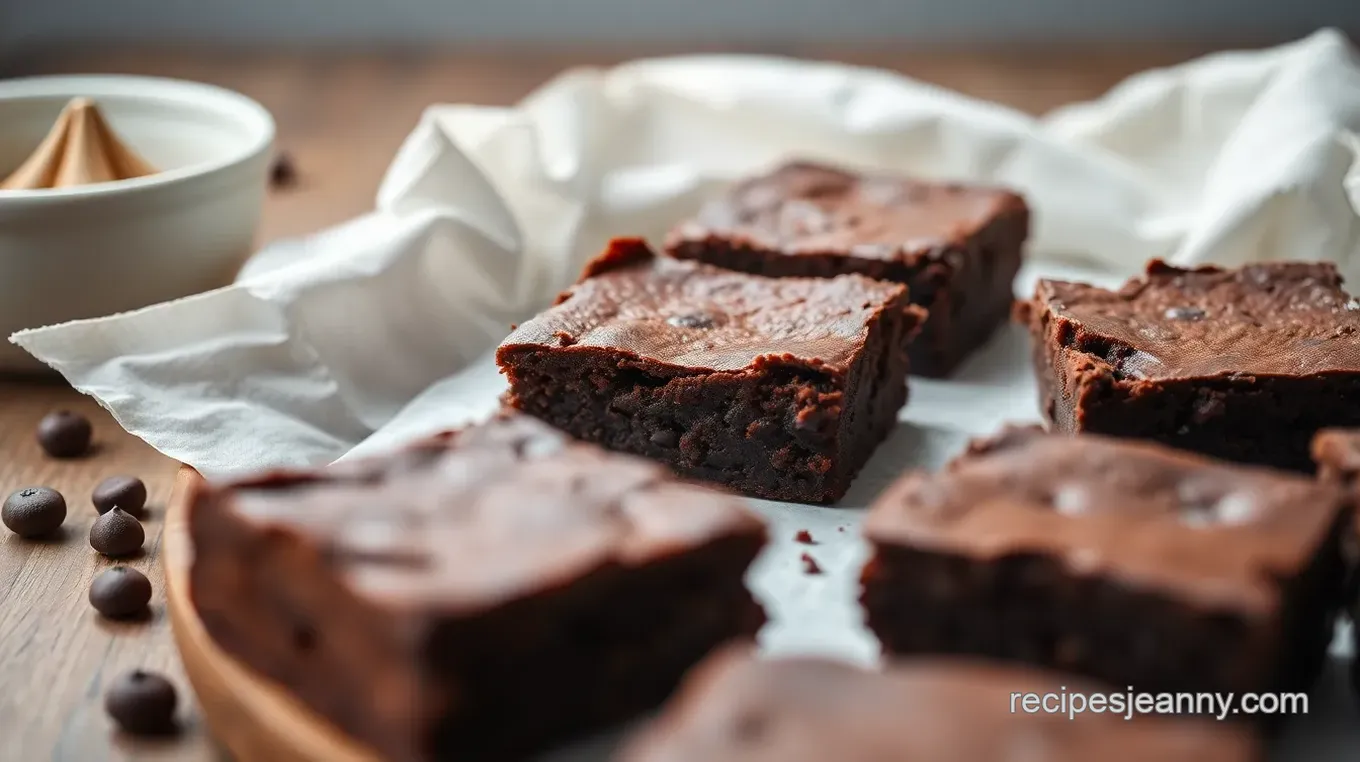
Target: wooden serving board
{"type": "Point", "coordinates": [256, 719]}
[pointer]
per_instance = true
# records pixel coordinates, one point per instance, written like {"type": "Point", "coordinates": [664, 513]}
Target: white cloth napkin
{"type": "Point", "coordinates": [487, 212]}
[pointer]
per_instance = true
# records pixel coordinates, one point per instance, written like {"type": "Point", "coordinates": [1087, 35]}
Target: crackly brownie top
{"type": "Point", "coordinates": [737, 708]}
{"type": "Point", "coordinates": [1149, 515]}
{"type": "Point", "coordinates": [488, 514]}
{"type": "Point", "coordinates": [698, 317]}
{"type": "Point", "coordinates": [804, 208]}
{"type": "Point", "coordinates": [1284, 318]}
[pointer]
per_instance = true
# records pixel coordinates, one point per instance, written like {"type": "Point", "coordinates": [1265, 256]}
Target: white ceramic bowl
{"type": "Point", "coordinates": [95, 250]}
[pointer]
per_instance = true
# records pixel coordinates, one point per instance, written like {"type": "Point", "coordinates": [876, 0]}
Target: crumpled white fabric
{"type": "Point", "coordinates": [486, 213]}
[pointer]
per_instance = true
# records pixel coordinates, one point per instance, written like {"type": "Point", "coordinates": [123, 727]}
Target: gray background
{"type": "Point", "coordinates": [678, 21]}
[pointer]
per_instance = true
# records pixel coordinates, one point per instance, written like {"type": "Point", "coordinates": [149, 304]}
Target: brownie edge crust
{"type": "Point", "coordinates": [779, 388]}
{"type": "Point", "coordinates": [483, 596]}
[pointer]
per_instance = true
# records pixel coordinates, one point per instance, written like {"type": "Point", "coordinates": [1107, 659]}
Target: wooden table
{"type": "Point", "coordinates": [341, 116]}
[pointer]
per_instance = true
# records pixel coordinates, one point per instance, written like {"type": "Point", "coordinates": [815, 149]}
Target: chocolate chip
{"type": "Point", "coordinates": [142, 703]}
{"type": "Point", "coordinates": [1184, 313]}
{"type": "Point", "coordinates": [34, 511]}
{"type": "Point", "coordinates": [65, 434]}
{"type": "Point", "coordinates": [694, 320]}
{"type": "Point", "coordinates": [116, 534]}
{"type": "Point", "coordinates": [126, 492]}
{"type": "Point", "coordinates": [283, 173]}
{"type": "Point", "coordinates": [120, 592]}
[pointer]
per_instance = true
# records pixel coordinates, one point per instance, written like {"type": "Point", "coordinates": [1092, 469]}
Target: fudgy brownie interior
{"type": "Point", "coordinates": [777, 387]}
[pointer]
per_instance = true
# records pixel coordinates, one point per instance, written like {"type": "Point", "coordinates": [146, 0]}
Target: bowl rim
{"type": "Point", "coordinates": [210, 99]}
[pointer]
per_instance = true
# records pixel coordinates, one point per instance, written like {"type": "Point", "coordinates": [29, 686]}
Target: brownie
{"type": "Point", "coordinates": [1127, 562]}
{"type": "Point", "coordinates": [481, 596]}
{"type": "Point", "coordinates": [956, 247]}
{"type": "Point", "coordinates": [1337, 452]}
{"type": "Point", "coordinates": [778, 387]}
{"type": "Point", "coordinates": [736, 708]}
{"type": "Point", "coordinates": [1244, 364]}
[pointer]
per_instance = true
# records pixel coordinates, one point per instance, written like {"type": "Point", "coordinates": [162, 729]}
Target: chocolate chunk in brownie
{"type": "Point", "coordinates": [957, 247]}
{"type": "Point", "coordinates": [1242, 364]}
{"type": "Point", "coordinates": [481, 596]}
{"type": "Point", "coordinates": [778, 387]}
{"type": "Point", "coordinates": [736, 708]}
{"type": "Point", "coordinates": [1128, 562]}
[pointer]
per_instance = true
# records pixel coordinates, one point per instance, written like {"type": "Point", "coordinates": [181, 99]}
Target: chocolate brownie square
{"type": "Point", "coordinates": [778, 387]}
{"type": "Point", "coordinates": [736, 708]}
{"type": "Point", "coordinates": [1131, 563]}
{"type": "Point", "coordinates": [956, 247]}
{"type": "Point", "coordinates": [1243, 364]}
{"type": "Point", "coordinates": [482, 596]}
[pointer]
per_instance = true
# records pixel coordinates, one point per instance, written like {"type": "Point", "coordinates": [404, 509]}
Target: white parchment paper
{"type": "Point", "coordinates": [361, 337]}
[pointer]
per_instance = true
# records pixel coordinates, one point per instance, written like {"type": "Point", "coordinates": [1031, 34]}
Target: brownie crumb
{"type": "Point", "coordinates": [810, 565]}
{"type": "Point", "coordinates": [283, 173]}
{"type": "Point", "coordinates": [805, 537]}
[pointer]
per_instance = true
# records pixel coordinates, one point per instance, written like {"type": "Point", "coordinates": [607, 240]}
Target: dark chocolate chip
{"type": "Point", "coordinates": [65, 434]}
{"type": "Point", "coordinates": [120, 592]}
{"type": "Point", "coordinates": [1184, 313]}
{"type": "Point", "coordinates": [694, 320]}
{"type": "Point", "coordinates": [126, 492]}
{"type": "Point", "coordinates": [34, 512]}
{"type": "Point", "coordinates": [116, 534]}
{"type": "Point", "coordinates": [142, 703]}
{"type": "Point", "coordinates": [283, 173]}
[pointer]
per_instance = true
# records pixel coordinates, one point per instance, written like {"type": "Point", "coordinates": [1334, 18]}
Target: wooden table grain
{"type": "Point", "coordinates": [341, 116]}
